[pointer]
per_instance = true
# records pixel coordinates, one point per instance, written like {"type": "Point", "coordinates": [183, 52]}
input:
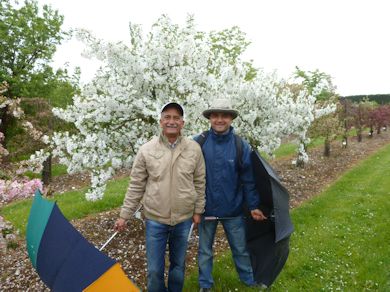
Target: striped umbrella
{"type": "Point", "coordinates": [64, 259]}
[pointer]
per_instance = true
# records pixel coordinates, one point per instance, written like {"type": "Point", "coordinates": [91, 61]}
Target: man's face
{"type": "Point", "coordinates": [171, 122]}
{"type": "Point", "coordinates": [220, 122]}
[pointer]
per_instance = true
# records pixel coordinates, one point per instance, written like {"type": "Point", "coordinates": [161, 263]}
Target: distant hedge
{"type": "Point", "coordinates": [379, 98]}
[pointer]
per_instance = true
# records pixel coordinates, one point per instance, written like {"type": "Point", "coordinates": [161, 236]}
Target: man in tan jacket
{"type": "Point", "coordinates": [168, 174]}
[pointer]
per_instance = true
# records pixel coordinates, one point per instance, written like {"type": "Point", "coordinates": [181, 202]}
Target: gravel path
{"type": "Point", "coordinates": [17, 274]}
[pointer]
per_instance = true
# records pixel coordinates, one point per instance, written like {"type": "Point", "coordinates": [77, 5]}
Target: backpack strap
{"type": "Point", "coordinates": [238, 142]}
{"type": "Point", "coordinates": [201, 138]}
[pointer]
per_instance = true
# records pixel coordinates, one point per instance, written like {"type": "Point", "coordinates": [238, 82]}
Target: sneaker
{"type": "Point", "coordinates": [262, 286]}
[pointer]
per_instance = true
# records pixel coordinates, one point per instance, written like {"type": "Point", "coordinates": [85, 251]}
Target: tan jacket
{"type": "Point", "coordinates": [170, 182]}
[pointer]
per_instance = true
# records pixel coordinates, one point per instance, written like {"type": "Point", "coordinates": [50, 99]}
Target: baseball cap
{"type": "Point", "coordinates": [174, 105]}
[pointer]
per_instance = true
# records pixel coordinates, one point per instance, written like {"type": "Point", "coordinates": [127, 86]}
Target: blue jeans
{"type": "Point", "coordinates": [157, 236]}
{"type": "Point", "coordinates": [235, 231]}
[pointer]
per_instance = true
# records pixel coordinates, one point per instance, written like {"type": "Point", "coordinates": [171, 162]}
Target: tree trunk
{"type": "Point", "coordinates": [359, 135]}
{"type": "Point", "coordinates": [327, 148]}
{"type": "Point", "coordinates": [300, 159]}
{"type": "Point", "coordinates": [345, 140]}
{"type": "Point", "coordinates": [300, 163]}
{"type": "Point", "coordinates": [371, 134]}
{"type": "Point", "coordinates": [46, 171]}
{"type": "Point", "coordinates": [5, 119]}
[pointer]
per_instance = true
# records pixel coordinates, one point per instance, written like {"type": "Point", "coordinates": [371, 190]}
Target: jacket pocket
{"type": "Point", "coordinates": [186, 201]}
{"type": "Point", "coordinates": [154, 164]}
{"type": "Point", "coordinates": [187, 162]}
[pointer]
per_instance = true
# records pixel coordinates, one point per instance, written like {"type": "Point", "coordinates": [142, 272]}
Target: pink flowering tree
{"type": "Point", "coordinates": [380, 117]}
{"type": "Point", "coordinates": [361, 117]}
{"type": "Point", "coordinates": [18, 189]}
{"type": "Point", "coordinates": [3, 151]}
{"type": "Point", "coordinates": [328, 127]}
{"type": "Point", "coordinates": [12, 185]}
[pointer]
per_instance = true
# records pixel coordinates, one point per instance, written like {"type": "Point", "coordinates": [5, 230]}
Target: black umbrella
{"type": "Point", "coordinates": [268, 240]}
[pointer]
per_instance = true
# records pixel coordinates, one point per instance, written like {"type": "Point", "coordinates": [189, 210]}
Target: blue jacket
{"type": "Point", "coordinates": [226, 188]}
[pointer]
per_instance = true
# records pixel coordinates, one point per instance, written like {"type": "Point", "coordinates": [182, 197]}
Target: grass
{"type": "Point", "coordinates": [72, 204]}
{"type": "Point", "coordinates": [56, 170]}
{"type": "Point", "coordinates": [288, 149]}
{"type": "Point", "coordinates": [341, 241]}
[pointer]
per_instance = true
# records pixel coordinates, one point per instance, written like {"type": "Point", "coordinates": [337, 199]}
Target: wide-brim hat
{"type": "Point", "coordinates": [220, 105]}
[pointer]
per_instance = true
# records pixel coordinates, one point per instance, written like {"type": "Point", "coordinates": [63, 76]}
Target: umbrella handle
{"type": "Point", "coordinates": [137, 213]}
{"type": "Point", "coordinates": [112, 236]}
{"type": "Point", "coordinates": [207, 218]}
{"type": "Point", "coordinates": [108, 241]}
{"type": "Point", "coordinates": [211, 218]}
{"type": "Point", "coordinates": [190, 233]}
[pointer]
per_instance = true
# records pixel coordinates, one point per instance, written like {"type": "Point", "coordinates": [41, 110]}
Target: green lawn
{"type": "Point", "coordinates": [56, 170]}
{"type": "Point", "coordinates": [341, 240]}
{"type": "Point", "coordinates": [342, 237]}
{"type": "Point", "coordinates": [288, 149]}
{"type": "Point", "coordinates": [73, 204]}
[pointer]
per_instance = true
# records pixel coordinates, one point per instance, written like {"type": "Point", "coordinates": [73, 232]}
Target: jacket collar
{"type": "Point", "coordinates": [163, 139]}
{"type": "Point", "coordinates": [224, 136]}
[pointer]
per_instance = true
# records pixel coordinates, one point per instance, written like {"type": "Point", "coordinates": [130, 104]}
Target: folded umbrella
{"type": "Point", "coordinates": [268, 240]}
{"type": "Point", "coordinates": [64, 259]}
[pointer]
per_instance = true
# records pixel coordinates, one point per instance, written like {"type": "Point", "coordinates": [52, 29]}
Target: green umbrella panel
{"type": "Point", "coordinates": [39, 216]}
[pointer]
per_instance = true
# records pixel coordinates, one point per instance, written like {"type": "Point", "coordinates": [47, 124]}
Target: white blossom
{"type": "Point", "coordinates": [119, 110]}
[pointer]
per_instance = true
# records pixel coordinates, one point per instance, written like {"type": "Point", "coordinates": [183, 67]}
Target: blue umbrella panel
{"type": "Point", "coordinates": [63, 258]}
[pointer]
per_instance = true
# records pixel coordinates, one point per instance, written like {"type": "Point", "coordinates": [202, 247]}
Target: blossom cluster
{"type": "Point", "coordinates": [12, 189]}
{"type": "Point", "coordinates": [22, 187]}
{"type": "Point", "coordinates": [307, 110]}
{"type": "Point", "coordinates": [3, 151]}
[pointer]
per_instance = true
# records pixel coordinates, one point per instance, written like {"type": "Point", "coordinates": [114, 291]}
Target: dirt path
{"type": "Point", "coordinates": [17, 274]}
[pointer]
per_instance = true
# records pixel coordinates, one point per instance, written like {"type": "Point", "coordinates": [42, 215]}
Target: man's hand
{"type": "Point", "coordinates": [120, 225]}
{"type": "Point", "coordinates": [196, 219]}
{"type": "Point", "coordinates": [258, 215]}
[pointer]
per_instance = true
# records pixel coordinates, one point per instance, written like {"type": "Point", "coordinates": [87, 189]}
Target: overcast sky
{"type": "Point", "coordinates": [349, 40]}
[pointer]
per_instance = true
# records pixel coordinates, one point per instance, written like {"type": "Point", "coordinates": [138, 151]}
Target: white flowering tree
{"type": "Point", "coordinates": [314, 99]}
{"type": "Point", "coordinates": [119, 110]}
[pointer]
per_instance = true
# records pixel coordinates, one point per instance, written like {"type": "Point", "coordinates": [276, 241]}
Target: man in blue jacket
{"type": "Point", "coordinates": [229, 184]}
